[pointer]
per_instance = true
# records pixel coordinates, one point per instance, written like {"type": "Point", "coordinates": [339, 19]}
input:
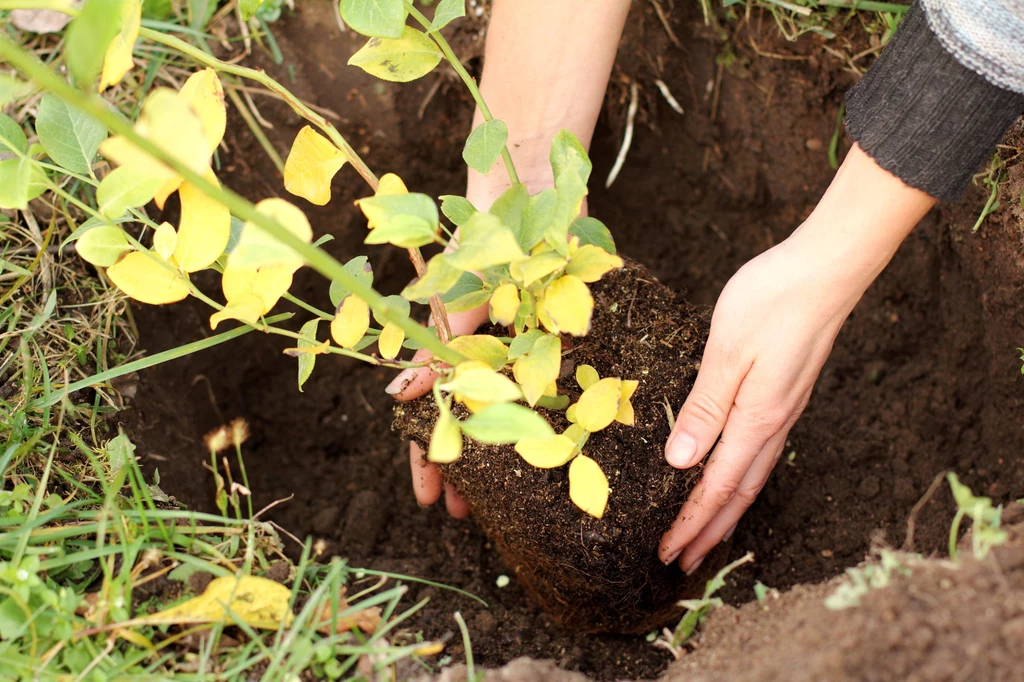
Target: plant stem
{"type": "Point", "coordinates": [866, 5]}
{"type": "Point", "coordinates": [470, 82]}
{"type": "Point", "coordinates": [318, 259]}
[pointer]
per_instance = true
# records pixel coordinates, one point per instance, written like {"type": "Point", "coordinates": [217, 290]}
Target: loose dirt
{"type": "Point", "coordinates": [924, 376]}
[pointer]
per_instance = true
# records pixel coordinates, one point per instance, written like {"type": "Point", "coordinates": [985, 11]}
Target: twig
{"type": "Point", "coordinates": [717, 91]}
{"type": "Point", "coordinates": [426, 100]}
{"type": "Point", "coordinates": [667, 94]}
{"type": "Point", "coordinates": [627, 139]}
{"type": "Point", "coordinates": [908, 543]}
{"type": "Point", "coordinates": [664, 22]}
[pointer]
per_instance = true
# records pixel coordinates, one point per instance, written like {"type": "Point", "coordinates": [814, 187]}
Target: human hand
{"type": "Point", "coordinates": [772, 329]}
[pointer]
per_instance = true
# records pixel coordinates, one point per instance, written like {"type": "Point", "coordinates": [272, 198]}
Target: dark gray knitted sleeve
{"type": "Point", "coordinates": [923, 116]}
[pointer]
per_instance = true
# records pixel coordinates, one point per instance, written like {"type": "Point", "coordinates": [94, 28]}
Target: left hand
{"type": "Point", "coordinates": [771, 332]}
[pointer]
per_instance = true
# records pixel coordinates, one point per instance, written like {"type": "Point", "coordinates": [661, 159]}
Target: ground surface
{"type": "Point", "coordinates": [924, 377]}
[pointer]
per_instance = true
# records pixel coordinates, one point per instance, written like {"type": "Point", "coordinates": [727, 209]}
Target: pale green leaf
{"type": "Point", "coordinates": [88, 37]}
{"type": "Point", "coordinates": [375, 18]}
{"type": "Point", "coordinates": [12, 137]}
{"type": "Point", "coordinates": [21, 181]}
{"type": "Point", "coordinates": [483, 384]}
{"type": "Point", "coordinates": [395, 304]}
{"type": "Point", "coordinates": [523, 343]}
{"type": "Point", "coordinates": [457, 209]}
{"type": "Point", "coordinates": [307, 360]}
{"type": "Point", "coordinates": [466, 285]}
{"type": "Point", "coordinates": [482, 347]}
{"type": "Point", "coordinates": [12, 88]}
{"type": "Point", "coordinates": [103, 245]}
{"type": "Point", "coordinates": [400, 60]}
{"type": "Point", "coordinates": [484, 242]}
{"type": "Point", "coordinates": [446, 12]}
{"type": "Point", "coordinates": [592, 231]}
{"type": "Point", "coordinates": [406, 231]}
{"type": "Point", "coordinates": [360, 268]}
{"type": "Point", "coordinates": [384, 208]}
{"type": "Point", "coordinates": [125, 188]}
{"type": "Point", "coordinates": [70, 137]}
{"type": "Point", "coordinates": [506, 423]}
{"type": "Point", "coordinates": [568, 155]}
{"type": "Point", "coordinates": [484, 145]}
{"type": "Point", "coordinates": [256, 247]}
{"type": "Point", "coordinates": [536, 218]}
{"type": "Point", "coordinates": [538, 369]}
{"type": "Point", "coordinates": [248, 8]}
{"type": "Point", "coordinates": [510, 205]}
{"type": "Point", "coordinates": [439, 278]}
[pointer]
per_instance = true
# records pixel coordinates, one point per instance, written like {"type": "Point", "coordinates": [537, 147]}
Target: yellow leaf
{"type": "Point", "coordinates": [118, 59]}
{"type": "Point", "coordinates": [629, 387]}
{"type": "Point", "coordinates": [166, 190]}
{"type": "Point", "coordinates": [588, 486]}
{"type": "Point", "coordinates": [625, 414]}
{"type": "Point", "coordinates": [318, 349]}
{"type": "Point", "coordinates": [482, 347]}
{"type": "Point", "coordinates": [257, 602]}
{"type": "Point", "coordinates": [391, 184]}
{"type": "Point", "coordinates": [546, 453]}
{"type": "Point", "coordinates": [566, 306]}
{"type": "Point", "coordinates": [576, 434]}
{"type": "Point", "coordinates": [599, 404]}
{"type": "Point", "coordinates": [256, 247]}
{"type": "Point", "coordinates": [505, 304]}
{"type": "Point", "coordinates": [570, 414]}
{"type": "Point", "coordinates": [205, 94]}
{"type": "Point", "coordinates": [390, 341]}
{"type": "Point", "coordinates": [591, 263]}
{"type": "Point", "coordinates": [268, 284]}
{"type": "Point", "coordinates": [164, 240]}
{"type": "Point", "coordinates": [475, 380]}
{"type": "Point", "coordinates": [398, 60]}
{"type": "Point", "coordinates": [536, 370]}
{"type": "Point", "coordinates": [536, 266]}
{"type": "Point", "coordinates": [244, 308]}
{"type": "Point", "coordinates": [586, 376]}
{"type": "Point", "coordinates": [446, 440]}
{"type": "Point", "coordinates": [168, 122]}
{"type": "Point", "coordinates": [312, 164]}
{"type": "Point", "coordinates": [204, 230]}
{"type": "Point", "coordinates": [350, 321]}
{"type": "Point", "coordinates": [144, 278]}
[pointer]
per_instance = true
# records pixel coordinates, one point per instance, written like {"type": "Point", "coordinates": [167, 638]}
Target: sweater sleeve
{"type": "Point", "coordinates": [923, 116]}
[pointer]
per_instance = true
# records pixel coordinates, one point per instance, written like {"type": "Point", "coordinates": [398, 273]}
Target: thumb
{"type": "Point", "coordinates": [703, 416]}
{"type": "Point", "coordinates": [414, 382]}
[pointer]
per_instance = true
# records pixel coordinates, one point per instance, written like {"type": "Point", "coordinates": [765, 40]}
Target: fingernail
{"type": "Point", "coordinates": [728, 533]}
{"type": "Point", "coordinates": [694, 566]}
{"type": "Point", "coordinates": [399, 383]}
{"type": "Point", "coordinates": [675, 555]}
{"type": "Point", "coordinates": [681, 451]}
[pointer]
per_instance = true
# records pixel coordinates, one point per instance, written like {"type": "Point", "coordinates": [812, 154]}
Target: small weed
{"type": "Point", "coordinates": [697, 610]}
{"type": "Point", "coordinates": [862, 579]}
{"type": "Point", "coordinates": [985, 532]}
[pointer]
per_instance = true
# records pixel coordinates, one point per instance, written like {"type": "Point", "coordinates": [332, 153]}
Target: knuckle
{"type": "Point", "coordinates": [721, 494]}
{"type": "Point", "coordinates": [703, 408]}
{"type": "Point", "coordinates": [748, 494]}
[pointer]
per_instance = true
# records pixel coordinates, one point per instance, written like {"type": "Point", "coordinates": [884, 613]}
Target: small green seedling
{"type": "Point", "coordinates": [862, 579]}
{"type": "Point", "coordinates": [985, 532]}
{"type": "Point", "coordinates": [697, 610]}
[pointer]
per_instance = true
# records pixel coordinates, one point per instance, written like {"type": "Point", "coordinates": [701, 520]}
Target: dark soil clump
{"type": "Point", "coordinates": [597, 574]}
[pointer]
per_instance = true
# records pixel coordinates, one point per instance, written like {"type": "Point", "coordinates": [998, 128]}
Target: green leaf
{"type": "Point", "coordinates": [482, 347]}
{"type": "Point", "coordinates": [12, 88]}
{"type": "Point", "coordinates": [457, 209]}
{"type": "Point", "coordinates": [248, 8]}
{"type": "Point", "coordinates": [407, 231]}
{"type": "Point", "coordinates": [467, 293]}
{"type": "Point", "coordinates": [307, 360]}
{"type": "Point", "coordinates": [976, 507]}
{"type": "Point", "coordinates": [88, 38]}
{"type": "Point", "coordinates": [69, 136]}
{"type": "Point", "coordinates": [484, 145]}
{"type": "Point", "coordinates": [21, 181]}
{"type": "Point", "coordinates": [396, 304]}
{"type": "Point", "coordinates": [536, 218]}
{"type": "Point", "coordinates": [439, 278]}
{"type": "Point", "coordinates": [400, 60]}
{"type": "Point", "coordinates": [447, 11]}
{"type": "Point", "coordinates": [13, 621]}
{"type": "Point", "coordinates": [483, 243]}
{"type": "Point", "coordinates": [375, 18]}
{"type": "Point", "coordinates": [567, 154]}
{"type": "Point", "coordinates": [103, 245]}
{"type": "Point", "coordinates": [125, 188]}
{"type": "Point", "coordinates": [522, 343]}
{"type": "Point", "coordinates": [592, 231]}
{"type": "Point", "coordinates": [158, 10]}
{"type": "Point", "coordinates": [121, 452]}
{"type": "Point", "coordinates": [506, 423]}
{"type": "Point", "coordinates": [360, 268]}
{"type": "Point", "coordinates": [539, 368]}
{"type": "Point", "coordinates": [383, 208]}
{"type": "Point", "coordinates": [12, 137]}
{"type": "Point", "coordinates": [509, 207]}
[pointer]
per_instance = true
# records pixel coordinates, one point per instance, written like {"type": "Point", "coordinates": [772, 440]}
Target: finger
{"type": "Point", "coordinates": [743, 439]}
{"type": "Point", "coordinates": [704, 413]}
{"type": "Point", "coordinates": [727, 518]}
{"type": "Point", "coordinates": [457, 506]}
{"type": "Point", "coordinates": [414, 382]}
{"type": "Point", "coordinates": [426, 477]}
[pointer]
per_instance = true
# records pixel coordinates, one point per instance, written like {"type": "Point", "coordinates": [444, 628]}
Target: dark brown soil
{"type": "Point", "coordinates": [597, 575]}
{"type": "Point", "coordinates": [924, 377]}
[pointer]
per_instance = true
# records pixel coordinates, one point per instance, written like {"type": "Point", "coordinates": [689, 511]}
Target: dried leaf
{"type": "Point", "coordinates": [258, 602]}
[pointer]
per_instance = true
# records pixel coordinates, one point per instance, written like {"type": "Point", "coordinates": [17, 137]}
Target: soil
{"type": "Point", "coordinates": [924, 377]}
{"type": "Point", "coordinates": [588, 574]}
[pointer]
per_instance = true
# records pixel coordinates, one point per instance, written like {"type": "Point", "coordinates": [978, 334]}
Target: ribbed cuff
{"type": "Point", "coordinates": [923, 116]}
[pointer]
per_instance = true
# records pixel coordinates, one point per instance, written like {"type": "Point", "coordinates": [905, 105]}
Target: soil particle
{"type": "Point", "coordinates": [365, 516]}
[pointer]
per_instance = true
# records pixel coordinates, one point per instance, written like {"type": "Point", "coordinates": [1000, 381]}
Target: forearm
{"type": "Point", "coordinates": [546, 67]}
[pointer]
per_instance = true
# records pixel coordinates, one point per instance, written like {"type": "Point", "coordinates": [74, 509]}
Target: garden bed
{"type": "Point", "coordinates": [924, 377]}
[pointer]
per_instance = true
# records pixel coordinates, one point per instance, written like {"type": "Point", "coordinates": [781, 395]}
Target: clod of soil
{"type": "Point", "coordinates": [600, 575]}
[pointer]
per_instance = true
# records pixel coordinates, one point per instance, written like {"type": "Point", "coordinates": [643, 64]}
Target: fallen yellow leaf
{"type": "Point", "coordinates": [258, 602]}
